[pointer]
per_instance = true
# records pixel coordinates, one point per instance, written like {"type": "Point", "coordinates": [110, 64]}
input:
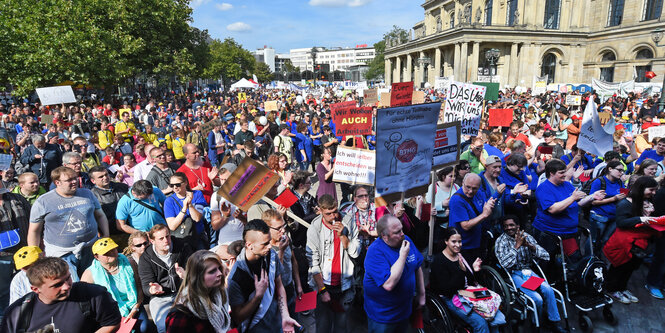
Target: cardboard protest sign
{"type": "Point", "coordinates": [46, 119]}
{"type": "Point", "coordinates": [574, 100]}
{"type": "Point", "coordinates": [656, 132]}
{"type": "Point", "coordinates": [370, 96]}
{"type": "Point", "coordinates": [446, 145]}
{"type": "Point", "coordinates": [465, 104]}
{"type": "Point", "coordinates": [248, 184]}
{"type": "Point", "coordinates": [595, 138]}
{"type": "Point", "coordinates": [385, 99]}
{"type": "Point", "coordinates": [405, 144]}
{"type": "Point", "coordinates": [418, 97]}
{"type": "Point", "coordinates": [500, 117]}
{"type": "Point", "coordinates": [351, 120]}
{"type": "Point", "coordinates": [271, 106]}
{"type": "Point", "coordinates": [56, 95]}
{"type": "Point", "coordinates": [401, 94]}
{"type": "Point", "coordinates": [540, 85]}
{"type": "Point", "coordinates": [604, 117]}
{"type": "Point", "coordinates": [354, 166]}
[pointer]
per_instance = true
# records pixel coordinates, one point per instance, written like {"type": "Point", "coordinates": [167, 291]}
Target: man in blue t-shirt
{"type": "Point", "coordinates": [654, 154]}
{"type": "Point", "coordinates": [141, 208]}
{"type": "Point", "coordinates": [392, 276]}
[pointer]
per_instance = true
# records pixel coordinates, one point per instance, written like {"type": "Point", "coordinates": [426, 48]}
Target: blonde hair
{"type": "Point", "coordinates": [130, 241]}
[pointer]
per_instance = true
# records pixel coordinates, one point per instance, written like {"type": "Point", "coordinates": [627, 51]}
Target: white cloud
{"type": "Point", "coordinates": [196, 3]}
{"type": "Point", "coordinates": [239, 27]}
{"type": "Point", "coordinates": [338, 3]}
{"type": "Point", "coordinates": [224, 6]}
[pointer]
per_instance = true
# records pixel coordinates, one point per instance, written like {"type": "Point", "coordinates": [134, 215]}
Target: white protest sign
{"type": "Point", "coordinates": [465, 104]}
{"type": "Point", "coordinates": [5, 162]}
{"type": "Point", "coordinates": [656, 132]}
{"type": "Point", "coordinates": [56, 95]}
{"type": "Point", "coordinates": [539, 85]}
{"type": "Point", "coordinates": [354, 166]}
{"type": "Point", "coordinates": [594, 138]}
{"type": "Point", "coordinates": [574, 100]}
{"type": "Point", "coordinates": [446, 145]}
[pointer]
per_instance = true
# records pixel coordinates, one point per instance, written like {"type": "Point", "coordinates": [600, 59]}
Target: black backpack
{"type": "Point", "coordinates": [27, 305]}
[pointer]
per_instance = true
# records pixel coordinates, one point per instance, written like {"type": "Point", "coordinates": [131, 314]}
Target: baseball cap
{"type": "Point", "coordinates": [26, 256]}
{"type": "Point", "coordinates": [52, 135]}
{"type": "Point", "coordinates": [548, 133]}
{"type": "Point", "coordinates": [492, 159]}
{"type": "Point", "coordinates": [103, 245]}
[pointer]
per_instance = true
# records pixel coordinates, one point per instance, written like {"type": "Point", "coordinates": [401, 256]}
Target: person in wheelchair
{"type": "Point", "coordinates": [451, 273]}
{"type": "Point", "coordinates": [515, 250]}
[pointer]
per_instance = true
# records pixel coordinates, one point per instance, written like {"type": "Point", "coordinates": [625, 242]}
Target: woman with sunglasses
{"type": "Point", "coordinates": [136, 244]}
{"type": "Point", "coordinates": [460, 171]}
{"type": "Point", "coordinates": [184, 209]}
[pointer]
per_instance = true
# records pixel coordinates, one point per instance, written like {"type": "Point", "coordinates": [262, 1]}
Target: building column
{"type": "Point", "coordinates": [420, 74]}
{"type": "Point", "coordinates": [457, 64]}
{"type": "Point", "coordinates": [388, 71]}
{"type": "Point", "coordinates": [513, 70]}
{"type": "Point", "coordinates": [464, 61]}
{"type": "Point", "coordinates": [398, 65]}
{"type": "Point", "coordinates": [473, 67]}
{"type": "Point", "coordinates": [437, 63]}
{"type": "Point", "coordinates": [409, 68]}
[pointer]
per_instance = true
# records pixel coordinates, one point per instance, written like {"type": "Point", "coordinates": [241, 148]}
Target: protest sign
{"type": "Point", "coordinates": [500, 117]}
{"type": "Point", "coordinates": [354, 166]}
{"type": "Point", "coordinates": [418, 97]}
{"type": "Point", "coordinates": [492, 92]}
{"type": "Point", "coordinates": [594, 138]}
{"type": "Point", "coordinates": [56, 95]}
{"type": "Point", "coordinates": [401, 94]}
{"type": "Point", "coordinates": [248, 184]}
{"type": "Point", "coordinates": [604, 117]}
{"type": "Point", "coordinates": [465, 104]}
{"type": "Point", "coordinates": [242, 97]}
{"type": "Point", "coordinates": [207, 127]}
{"type": "Point", "coordinates": [446, 145]}
{"type": "Point", "coordinates": [385, 99]}
{"type": "Point", "coordinates": [656, 132]}
{"type": "Point", "coordinates": [370, 97]}
{"type": "Point", "coordinates": [574, 100]}
{"type": "Point", "coordinates": [271, 106]}
{"type": "Point", "coordinates": [540, 85]}
{"type": "Point", "coordinates": [351, 120]}
{"type": "Point", "coordinates": [5, 161]}
{"type": "Point", "coordinates": [46, 119]}
{"type": "Point", "coordinates": [405, 144]}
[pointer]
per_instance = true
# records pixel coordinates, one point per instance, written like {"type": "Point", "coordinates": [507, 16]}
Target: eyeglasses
{"type": "Point", "coordinates": [176, 185]}
{"type": "Point", "coordinates": [158, 156]}
{"type": "Point", "coordinates": [144, 244]}
{"type": "Point", "coordinates": [280, 228]}
{"type": "Point", "coordinates": [360, 196]}
{"type": "Point", "coordinates": [619, 169]}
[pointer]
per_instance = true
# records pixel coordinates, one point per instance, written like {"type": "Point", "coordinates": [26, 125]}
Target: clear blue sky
{"type": "Point", "coordinates": [288, 24]}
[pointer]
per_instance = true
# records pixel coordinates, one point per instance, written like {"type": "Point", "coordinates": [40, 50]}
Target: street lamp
{"type": "Point", "coordinates": [491, 55]}
{"type": "Point", "coordinates": [424, 62]}
{"type": "Point", "coordinates": [657, 36]}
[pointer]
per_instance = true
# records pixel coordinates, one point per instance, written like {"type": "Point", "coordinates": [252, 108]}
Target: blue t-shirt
{"type": "Point", "coordinates": [494, 151]}
{"type": "Point", "coordinates": [138, 216]}
{"type": "Point", "coordinates": [389, 306]}
{"type": "Point", "coordinates": [649, 153]}
{"type": "Point", "coordinates": [317, 141]}
{"type": "Point", "coordinates": [305, 143]}
{"type": "Point", "coordinates": [586, 161]}
{"type": "Point", "coordinates": [611, 189]}
{"type": "Point", "coordinates": [173, 205]}
{"type": "Point", "coordinates": [461, 212]}
{"type": "Point", "coordinates": [562, 223]}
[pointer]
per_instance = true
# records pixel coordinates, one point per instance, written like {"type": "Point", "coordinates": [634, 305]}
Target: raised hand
{"type": "Point", "coordinates": [404, 250]}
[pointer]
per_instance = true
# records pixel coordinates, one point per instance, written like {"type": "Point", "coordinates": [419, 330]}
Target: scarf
{"type": "Point", "coordinates": [218, 315]}
{"type": "Point", "coordinates": [125, 278]}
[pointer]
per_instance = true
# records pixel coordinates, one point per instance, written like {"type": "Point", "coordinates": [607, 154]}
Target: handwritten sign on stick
{"type": "Point", "coordinates": [56, 95]}
{"type": "Point", "coordinates": [249, 183]}
{"type": "Point", "coordinates": [465, 104]}
{"type": "Point", "coordinates": [401, 94]}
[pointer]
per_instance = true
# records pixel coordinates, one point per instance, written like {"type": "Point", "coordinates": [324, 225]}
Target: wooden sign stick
{"type": "Point", "coordinates": [288, 212]}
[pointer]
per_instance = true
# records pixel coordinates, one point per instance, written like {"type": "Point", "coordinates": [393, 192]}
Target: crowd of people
{"type": "Point", "coordinates": [110, 213]}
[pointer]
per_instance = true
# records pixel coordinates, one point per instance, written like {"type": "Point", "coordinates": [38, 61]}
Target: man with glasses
{"type": "Point", "coordinates": [142, 169]}
{"type": "Point", "coordinates": [70, 218]}
{"type": "Point", "coordinates": [332, 243]}
{"type": "Point", "coordinates": [108, 194]}
{"type": "Point", "coordinates": [475, 155]}
{"type": "Point", "coordinates": [73, 161]}
{"type": "Point", "coordinates": [363, 215]}
{"type": "Point", "coordinates": [141, 208]}
{"type": "Point", "coordinates": [201, 175]}
{"type": "Point", "coordinates": [161, 172]}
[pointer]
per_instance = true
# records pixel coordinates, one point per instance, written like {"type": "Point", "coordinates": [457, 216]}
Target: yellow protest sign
{"type": "Point", "coordinates": [271, 106]}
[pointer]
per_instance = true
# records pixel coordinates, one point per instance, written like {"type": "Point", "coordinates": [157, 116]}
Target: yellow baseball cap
{"type": "Point", "coordinates": [103, 245]}
{"type": "Point", "coordinates": [26, 255]}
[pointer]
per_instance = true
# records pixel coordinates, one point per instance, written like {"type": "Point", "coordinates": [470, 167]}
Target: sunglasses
{"type": "Point", "coordinates": [280, 228]}
{"type": "Point", "coordinates": [176, 185]}
{"type": "Point", "coordinates": [362, 196]}
{"type": "Point", "coordinates": [144, 244]}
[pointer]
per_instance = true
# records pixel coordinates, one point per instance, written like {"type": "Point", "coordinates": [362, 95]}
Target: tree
{"type": "Point", "coordinates": [377, 67]}
{"type": "Point", "coordinates": [229, 61]}
{"type": "Point", "coordinates": [262, 72]}
{"type": "Point", "coordinates": [288, 66]}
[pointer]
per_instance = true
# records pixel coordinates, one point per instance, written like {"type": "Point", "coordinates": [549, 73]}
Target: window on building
{"type": "Point", "coordinates": [652, 9]}
{"type": "Point", "coordinates": [511, 19]}
{"type": "Point", "coordinates": [643, 54]}
{"type": "Point", "coordinates": [608, 56]}
{"type": "Point", "coordinates": [549, 67]}
{"type": "Point", "coordinates": [452, 19]}
{"type": "Point", "coordinates": [552, 14]}
{"type": "Point", "coordinates": [616, 13]}
{"type": "Point", "coordinates": [607, 74]}
{"type": "Point", "coordinates": [488, 12]}
{"type": "Point", "coordinates": [641, 71]}
{"type": "Point", "coordinates": [485, 68]}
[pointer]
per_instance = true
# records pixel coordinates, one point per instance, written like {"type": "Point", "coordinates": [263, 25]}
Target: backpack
{"type": "Point", "coordinates": [27, 305]}
{"type": "Point", "coordinates": [586, 188]}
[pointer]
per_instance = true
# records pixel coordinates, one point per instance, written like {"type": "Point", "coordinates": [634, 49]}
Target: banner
{"type": "Point", "coordinates": [539, 85]}
{"type": "Point", "coordinates": [500, 117]}
{"type": "Point", "coordinates": [574, 100]}
{"type": "Point", "coordinates": [418, 97]}
{"type": "Point", "coordinates": [271, 106]}
{"type": "Point", "coordinates": [401, 94]}
{"type": "Point", "coordinates": [123, 111]}
{"type": "Point", "coordinates": [656, 132]}
{"type": "Point", "coordinates": [446, 145]}
{"type": "Point", "coordinates": [370, 97]}
{"type": "Point", "coordinates": [355, 166]}
{"type": "Point", "coordinates": [441, 82]}
{"type": "Point", "coordinates": [594, 138]}
{"type": "Point", "coordinates": [56, 95]}
{"type": "Point", "coordinates": [350, 119]}
{"type": "Point", "coordinates": [249, 183]}
{"type": "Point", "coordinates": [465, 104]}
{"type": "Point", "coordinates": [404, 147]}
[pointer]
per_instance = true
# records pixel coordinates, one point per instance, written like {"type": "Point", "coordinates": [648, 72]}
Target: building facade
{"type": "Point", "coordinates": [266, 55]}
{"type": "Point", "coordinates": [571, 41]}
{"type": "Point", "coordinates": [339, 59]}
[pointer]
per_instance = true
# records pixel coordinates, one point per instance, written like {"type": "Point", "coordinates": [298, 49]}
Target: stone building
{"type": "Point", "coordinates": [572, 41]}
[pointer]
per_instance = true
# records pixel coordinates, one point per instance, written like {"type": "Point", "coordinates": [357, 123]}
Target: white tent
{"type": "Point", "coordinates": [244, 83]}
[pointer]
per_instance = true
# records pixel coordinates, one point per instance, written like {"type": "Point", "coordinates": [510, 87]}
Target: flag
{"type": "Point", "coordinates": [594, 138]}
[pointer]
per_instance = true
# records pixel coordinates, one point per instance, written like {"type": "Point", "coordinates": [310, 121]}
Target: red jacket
{"type": "Point", "coordinates": [617, 248]}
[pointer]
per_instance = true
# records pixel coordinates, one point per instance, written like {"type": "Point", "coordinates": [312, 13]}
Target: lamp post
{"type": "Point", "coordinates": [657, 36]}
{"type": "Point", "coordinates": [491, 55]}
{"type": "Point", "coordinates": [424, 62]}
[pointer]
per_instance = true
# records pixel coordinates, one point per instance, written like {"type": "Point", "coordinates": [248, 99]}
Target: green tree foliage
{"type": "Point", "coordinates": [377, 67]}
{"type": "Point", "coordinates": [288, 66]}
{"type": "Point", "coordinates": [262, 72]}
{"type": "Point", "coordinates": [229, 61]}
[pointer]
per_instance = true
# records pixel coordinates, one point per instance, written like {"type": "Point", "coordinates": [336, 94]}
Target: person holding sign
{"type": "Point", "coordinates": [515, 249]}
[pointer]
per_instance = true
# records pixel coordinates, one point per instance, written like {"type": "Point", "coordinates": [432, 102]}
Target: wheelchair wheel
{"type": "Point", "coordinates": [491, 279]}
{"type": "Point", "coordinates": [435, 316]}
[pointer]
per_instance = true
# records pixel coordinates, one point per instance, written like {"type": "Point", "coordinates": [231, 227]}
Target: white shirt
{"type": "Point", "coordinates": [232, 230]}
{"type": "Point", "coordinates": [142, 170]}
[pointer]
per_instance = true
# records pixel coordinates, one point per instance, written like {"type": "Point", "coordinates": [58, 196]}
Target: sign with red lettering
{"type": "Point", "coordinates": [350, 119]}
{"type": "Point", "coordinates": [249, 183]}
{"type": "Point", "coordinates": [401, 94]}
{"type": "Point", "coordinates": [500, 117]}
{"type": "Point", "coordinates": [446, 145]}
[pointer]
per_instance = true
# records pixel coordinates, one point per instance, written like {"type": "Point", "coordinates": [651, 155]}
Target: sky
{"type": "Point", "coordinates": [290, 24]}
